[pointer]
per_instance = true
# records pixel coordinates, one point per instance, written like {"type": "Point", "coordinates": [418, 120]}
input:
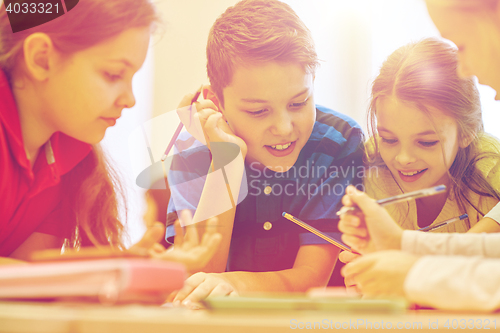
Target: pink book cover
{"type": "Point", "coordinates": [105, 280]}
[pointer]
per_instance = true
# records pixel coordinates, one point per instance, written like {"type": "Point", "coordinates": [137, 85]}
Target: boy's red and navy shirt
{"type": "Point", "coordinates": [31, 198]}
{"type": "Point", "coordinates": [262, 239]}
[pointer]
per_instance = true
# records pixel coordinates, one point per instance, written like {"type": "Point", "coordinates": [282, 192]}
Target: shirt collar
{"type": "Point", "coordinates": [63, 151]}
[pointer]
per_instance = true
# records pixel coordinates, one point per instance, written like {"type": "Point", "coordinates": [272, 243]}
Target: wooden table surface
{"type": "Point", "coordinates": [55, 317]}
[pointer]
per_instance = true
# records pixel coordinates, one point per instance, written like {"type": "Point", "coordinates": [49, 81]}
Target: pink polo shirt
{"type": "Point", "coordinates": [30, 199]}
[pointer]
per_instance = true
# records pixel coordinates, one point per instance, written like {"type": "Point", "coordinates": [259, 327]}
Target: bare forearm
{"type": "Point", "coordinates": [485, 225]}
{"type": "Point", "coordinates": [312, 268]}
{"type": "Point", "coordinates": [289, 280]}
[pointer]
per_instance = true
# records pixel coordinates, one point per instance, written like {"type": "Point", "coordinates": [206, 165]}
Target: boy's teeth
{"type": "Point", "coordinates": [281, 147]}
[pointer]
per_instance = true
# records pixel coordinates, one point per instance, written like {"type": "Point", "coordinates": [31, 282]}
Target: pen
{"type": "Point", "coordinates": [401, 197]}
{"type": "Point", "coordinates": [179, 128]}
{"type": "Point", "coordinates": [442, 224]}
{"type": "Point", "coordinates": [317, 232]}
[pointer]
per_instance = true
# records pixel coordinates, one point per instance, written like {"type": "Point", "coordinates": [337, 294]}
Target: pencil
{"type": "Point", "coordinates": [317, 232]}
{"type": "Point", "coordinates": [401, 197]}
{"type": "Point", "coordinates": [442, 224]}
{"type": "Point", "coordinates": [179, 128]}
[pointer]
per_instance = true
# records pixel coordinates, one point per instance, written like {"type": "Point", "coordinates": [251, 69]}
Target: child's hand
{"type": "Point", "coordinates": [371, 230]}
{"type": "Point", "coordinates": [202, 285]}
{"type": "Point", "coordinates": [187, 248]}
{"type": "Point", "coordinates": [150, 240]}
{"type": "Point", "coordinates": [213, 124]}
{"type": "Point", "coordinates": [346, 257]}
{"type": "Point", "coordinates": [380, 274]}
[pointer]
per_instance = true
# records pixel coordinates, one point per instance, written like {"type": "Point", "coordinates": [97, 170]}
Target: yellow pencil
{"type": "Point", "coordinates": [317, 232]}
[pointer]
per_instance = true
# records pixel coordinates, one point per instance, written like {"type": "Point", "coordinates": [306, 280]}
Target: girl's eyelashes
{"type": "Point", "coordinates": [425, 144]}
{"type": "Point", "coordinates": [428, 143]}
{"type": "Point", "coordinates": [113, 76]}
{"type": "Point", "coordinates": [388, 141]}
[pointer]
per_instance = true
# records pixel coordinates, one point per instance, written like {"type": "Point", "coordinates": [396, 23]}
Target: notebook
{"type": "Point", "coordinates": [108, 281]}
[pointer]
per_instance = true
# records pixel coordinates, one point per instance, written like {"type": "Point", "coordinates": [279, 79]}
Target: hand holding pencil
{"type": "Point", "coordinates": [369, 229]}
{"type": "Point", "coordinates": [210, 119]}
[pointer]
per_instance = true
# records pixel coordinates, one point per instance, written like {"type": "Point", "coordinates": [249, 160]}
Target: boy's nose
{"type": "Point", "coordinates": [283, 125]}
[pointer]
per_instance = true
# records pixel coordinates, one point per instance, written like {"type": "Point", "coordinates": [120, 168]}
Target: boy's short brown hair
{"type": "Point", "coordinates": [257, 31]}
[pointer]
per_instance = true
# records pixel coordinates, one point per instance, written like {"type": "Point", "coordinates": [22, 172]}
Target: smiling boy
{"type": "Point", "coordinates": [299, 157]}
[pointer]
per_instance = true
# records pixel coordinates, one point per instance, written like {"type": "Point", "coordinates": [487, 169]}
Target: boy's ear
{"type": "Point", "coordinates": [38, 52]}
{"type": "Point", "coordinates": [208, 93]}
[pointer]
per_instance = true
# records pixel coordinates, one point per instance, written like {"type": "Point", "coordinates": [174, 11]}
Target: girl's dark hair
{"type": "Point", "coordinates": [424, 74]}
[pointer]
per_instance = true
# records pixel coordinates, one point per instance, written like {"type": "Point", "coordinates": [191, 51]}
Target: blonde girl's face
{"type": "Point", "coordinates": [90, 88]}
{"type": "Point", "coordinates": [477, 36]}
{"type": "Point", "coordinates": [417, 148]}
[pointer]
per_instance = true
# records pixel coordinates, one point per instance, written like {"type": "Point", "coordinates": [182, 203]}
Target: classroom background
{"type": "Point", "coordinates": [352, 39]}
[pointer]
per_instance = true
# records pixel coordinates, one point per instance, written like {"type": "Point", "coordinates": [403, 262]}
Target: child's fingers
{"type": "Point", "coordinates": [171, 297]}
{"type": "Point", "coordinates": [222, 289]}
{"type": "Point", "coordinates": [346, 201]}
{"type": "Point", "coordinates": [347, 226]}
{"type": "Point", "coordinates": [156, 249]}
{"type": "Point", "coordinates": [211, 226]}
{"type": "Point", "coordinates": [205, 104]}
{"type": "Point", "coordinates": [353, 269]}
{"type": "Point", "coordinates": [349, 282]}
{"type": "Point", "coordinates": [152, 236]}
{"type": "Point", "coordinates": [186, 100]}
{"type": "Point", "coordinates": [211, 244]}
{"type": "Point", "coordinates": [353, 220]}
{"type": "Point", "coordinates": [213, 132]}
{"type": "Point", "coordinates": [179, 234]}
{"type": "Point", "coordinates": [346, 256]}
{"type": "Point", "coordinates": [190, 284]}
{"type": "Point", "coordinates": [363, 201]}
{"type": "Point", "coordinates": [200, 292]}
{"type": "Point", "coordinates": [356, 243]}
{"type": "Point", "coordinates": [191, 231]}
{"type": "Point", "coordinates": [185, 217]}
{"type": "Point", "coordinates": [203, 115]}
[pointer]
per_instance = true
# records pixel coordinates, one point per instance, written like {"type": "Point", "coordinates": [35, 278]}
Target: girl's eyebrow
{"type": "Point", "coordinates": [429, 132]}
{"type": "Point", "coordinates": [382, 129]}
{"type": "Point", "coordinates": [124, 61]}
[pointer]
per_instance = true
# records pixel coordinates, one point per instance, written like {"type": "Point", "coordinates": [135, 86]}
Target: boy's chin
{"type": "Point", "coordinates": [276, 167]}
{"type": "Point", "coordinates": [280, 168]}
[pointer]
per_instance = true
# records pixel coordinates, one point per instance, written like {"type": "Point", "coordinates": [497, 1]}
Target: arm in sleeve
{"type": "Point", "coordinates": [484, 245]}
{"type": "Point", "coordinates": [455, 283]}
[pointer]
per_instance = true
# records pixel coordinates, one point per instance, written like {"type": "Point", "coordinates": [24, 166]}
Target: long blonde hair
{"type": "Point", "coordinates": [424, 74]}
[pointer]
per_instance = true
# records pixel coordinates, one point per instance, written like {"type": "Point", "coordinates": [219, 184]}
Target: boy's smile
{"type": "Point", "coordinates": [271, 107]}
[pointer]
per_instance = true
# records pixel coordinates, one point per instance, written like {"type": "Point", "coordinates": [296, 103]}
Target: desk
{"type": "Point", "coordinates": [78, 318]}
